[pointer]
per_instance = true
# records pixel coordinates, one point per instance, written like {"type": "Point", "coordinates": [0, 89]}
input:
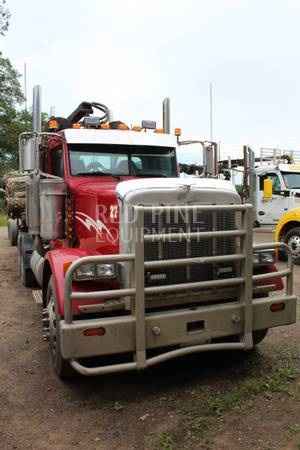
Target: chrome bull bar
{"type": "Point", "coordinates": [137, 289]}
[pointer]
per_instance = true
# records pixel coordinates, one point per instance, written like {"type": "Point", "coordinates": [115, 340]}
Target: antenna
{"type": "Point", "coordinates": [25, 85]}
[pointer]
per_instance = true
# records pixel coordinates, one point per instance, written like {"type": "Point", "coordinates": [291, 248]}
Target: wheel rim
{"type": "Point", "coordinates": [294, 244]}
{"type": "Point", "coordinates": [52, 327]}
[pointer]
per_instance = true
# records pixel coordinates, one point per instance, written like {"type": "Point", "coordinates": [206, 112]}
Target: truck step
{"type": "Point", "coordinates": [37, 296]}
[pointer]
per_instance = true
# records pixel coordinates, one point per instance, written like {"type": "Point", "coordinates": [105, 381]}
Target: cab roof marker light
{"type": "Point", "coordinates": [118, 125]}
{"type": "Point", "coordinates": [122, 126]}
{"type": "Point", "coordinates": [136, 128]}
{"type": "Point", "coordinates": [52, 124]}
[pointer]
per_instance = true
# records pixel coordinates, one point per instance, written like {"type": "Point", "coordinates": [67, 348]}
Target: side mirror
{"type": "Point", "coordinates": [27, 153]}
{"type": "Point", "coordinates": [268, 189]}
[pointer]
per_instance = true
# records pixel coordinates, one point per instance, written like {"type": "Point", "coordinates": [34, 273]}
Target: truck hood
{"type": "Point", "coordinates": [94, 186]}
{"type": "Point", "coordinates": [175, 190]}
{"type": "Point", "coordinates": [95, 212]}
{"type": "Point", "coordinates": [97, 202]}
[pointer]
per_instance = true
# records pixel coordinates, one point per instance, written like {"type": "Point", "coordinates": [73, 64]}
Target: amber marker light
{"type": "Point", "coordinates": [177, 131]}
{"type": "Point", "coordinates": [159, 131]}
{"type": "Point", "coordinates": [136, 128]}
{"type": "Point", "coordinates": [52, 124]}
{"type": "Point", "coordinates": [122, 126]}
{"type": "Point", "coordinates": [76, 125]}
{"type": "Point", "coordinates": [66, 265]}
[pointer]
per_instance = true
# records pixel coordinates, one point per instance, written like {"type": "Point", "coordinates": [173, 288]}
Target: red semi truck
{"type": "Point", "coordinates": [135, 265]}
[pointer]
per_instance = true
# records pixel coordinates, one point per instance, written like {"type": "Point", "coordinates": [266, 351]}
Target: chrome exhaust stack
{"type": "Point", "coordinates": [166, 115]}
{"type": "Point", "coordinates": [36, 110]}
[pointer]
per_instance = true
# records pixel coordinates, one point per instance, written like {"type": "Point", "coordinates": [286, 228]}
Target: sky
{"type": "Point", "coordinates": [130, 54]}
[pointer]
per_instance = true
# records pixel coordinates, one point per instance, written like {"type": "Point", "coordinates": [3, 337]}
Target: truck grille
{"type": "Point", "coordinates": [168, 221]}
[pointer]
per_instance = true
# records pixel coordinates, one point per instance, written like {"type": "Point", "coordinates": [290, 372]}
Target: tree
{"type": "Point", "coordinates": [4, 17]}
{"type": "Point", "coordinates": [11, 125]}
{"type": "Point", "coordinates": [12, 121]}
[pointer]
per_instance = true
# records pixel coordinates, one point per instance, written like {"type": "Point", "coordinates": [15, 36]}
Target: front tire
{"type": "Point", "coordinates": [292, 239]}
{"type": "Point", "coordinates": [27, 276]}
{"type": "Point", "coordinates": [61, 366]}
{"type": "Point", "coordinates": [12, 232]}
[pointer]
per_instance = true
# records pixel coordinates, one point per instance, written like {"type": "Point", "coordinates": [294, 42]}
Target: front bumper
{"type": "Point", "coordinates": [186, 327]}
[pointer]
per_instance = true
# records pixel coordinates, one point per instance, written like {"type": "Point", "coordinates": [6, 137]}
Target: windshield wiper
{"type": "Point", "coordinates": [152, 175]}
{"type": "Point", "coordinates": [97, 174]}
{"type": "Point", "coordinates": [87, 174]}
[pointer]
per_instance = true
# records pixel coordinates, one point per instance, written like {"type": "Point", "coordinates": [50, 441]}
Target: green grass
{"type": "Point", "coordinates": [294, 429]}
{"type": "Point", "coordinates": [202, 413]}
{"type": "Point", "coordinates": [3, 219]}
{"type": "Point", "coordinates": [165, 441]}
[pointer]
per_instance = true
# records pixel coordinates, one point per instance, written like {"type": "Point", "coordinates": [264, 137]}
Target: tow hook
{"type": "Point", "coordinates": [156, 331]}
{"type": "Point", "coordinates": [235, 318]}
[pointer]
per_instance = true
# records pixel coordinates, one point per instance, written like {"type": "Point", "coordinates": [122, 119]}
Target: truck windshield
{"type": "Point", "coordinates": [292, 179]}
{"type": "Point", "coordinates": [122, 160]}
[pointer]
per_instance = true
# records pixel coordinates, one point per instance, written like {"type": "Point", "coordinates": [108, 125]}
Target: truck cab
{"type": "Point", "coordinates": [92, 163]}
{"type": "Point", "coordinates": [285, 190]}
{"type": "Point", "coordinates": [281, 168]}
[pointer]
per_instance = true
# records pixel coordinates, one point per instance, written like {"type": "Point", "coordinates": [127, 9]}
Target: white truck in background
{"type": "Point", "coordinates": [271, 199]}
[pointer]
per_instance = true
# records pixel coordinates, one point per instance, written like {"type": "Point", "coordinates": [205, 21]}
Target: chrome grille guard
{"type": "Point", "coordinates": [137, 290]}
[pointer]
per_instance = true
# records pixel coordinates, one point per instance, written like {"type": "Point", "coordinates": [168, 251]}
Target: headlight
{"type": "Point", "coordinates": [263, 257]}
{"type": "Point", "coordinates": [92, 271]}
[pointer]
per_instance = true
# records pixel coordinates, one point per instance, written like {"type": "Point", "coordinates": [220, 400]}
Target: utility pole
{"type": "Point", "coordinates": [211, 110]}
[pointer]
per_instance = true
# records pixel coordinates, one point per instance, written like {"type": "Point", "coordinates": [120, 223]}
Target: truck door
{"type": "Point", "coordinates": [269, 211]}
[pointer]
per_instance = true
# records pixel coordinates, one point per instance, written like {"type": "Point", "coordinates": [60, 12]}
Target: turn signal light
{"type": "Point", "coordinates": [66, 265]}
{"type": "Point", "coordinates": [177, 131]}
{"type": "Point", "coordinates": [94, 332]}
{"type": "Point", "coordinates": [277, 307]}
{"type": "Point", "coordinates": [159, 131]}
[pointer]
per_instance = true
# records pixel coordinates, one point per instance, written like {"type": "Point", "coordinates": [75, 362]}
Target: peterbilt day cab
{"type": "Point", "coordinates": [135, 265]}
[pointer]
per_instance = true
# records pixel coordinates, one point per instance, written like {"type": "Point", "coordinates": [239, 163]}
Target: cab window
{"type": "Point", "coordinates": [275, 181]}
{"type": "Point", "coordinates": [57, 164]}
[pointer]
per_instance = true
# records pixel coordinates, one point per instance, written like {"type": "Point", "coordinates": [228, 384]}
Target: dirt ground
{"type": "Point", "coordinates": [224, 401]}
